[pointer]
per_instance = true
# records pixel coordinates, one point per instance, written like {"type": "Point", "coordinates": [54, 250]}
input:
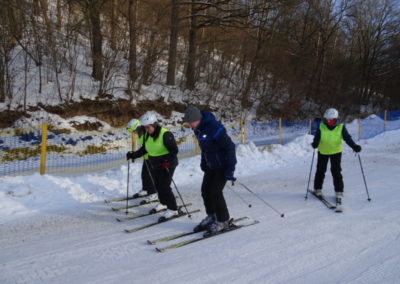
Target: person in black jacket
{"type": "Point", "coordinates": [218, 160]}
{"type": "Point", "coordinates": [160, 145]}
{"type": "Point", "coordinates": [148, 190]}
{"type": "Point", "coordinates": [328, 139]}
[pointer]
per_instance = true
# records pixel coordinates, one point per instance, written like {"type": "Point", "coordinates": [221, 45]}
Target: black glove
{"type": "Point", "coordinates": [314, 145]}
{"type": "Point", "coordinates": [357, 148]}
{"type": "Point", "coordinates": [204, 166]}
{"type": "Point", "coordinates": [130, 156]}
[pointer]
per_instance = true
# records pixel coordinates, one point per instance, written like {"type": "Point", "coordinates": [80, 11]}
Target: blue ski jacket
{"type": "Point", "coordinates": [217, 148]}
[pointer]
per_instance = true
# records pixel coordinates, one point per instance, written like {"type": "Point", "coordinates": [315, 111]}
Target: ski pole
{"type": "Point", "coordinates": [265, 202]}
{"type": "Point", "coordinates": [240, 197]}
{"type": "Point", "coordinates": [180, 196]}
{"type": "Point", "coordinates": [127, 191]}
{"type": "Point", "coordinates": [362, 171]}
{"type": "Point", "coordinates": [309, 177]}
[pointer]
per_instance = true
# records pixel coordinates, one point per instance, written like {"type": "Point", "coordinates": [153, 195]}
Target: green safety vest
{"type": "Point", "coordinates": [156, 148]}
{"type": "Point", "coordinates": [331, 140]}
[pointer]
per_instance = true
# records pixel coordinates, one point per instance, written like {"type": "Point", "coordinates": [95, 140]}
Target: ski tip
{"type": "Point", "coordinates": [126, 231]}
{"type": "Point", "coordinates": [118, 219]}
{"type": "Point", "coordinates": [151, 242]}
{"type": "Point", "coordinates": [282, 215]}
{"type": "Point", "coordinates": [160, 250]}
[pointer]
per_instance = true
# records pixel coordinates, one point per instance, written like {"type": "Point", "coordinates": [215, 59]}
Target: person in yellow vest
{"type": "Point", "coordinates": [162, 151]}
{"type": "Point", "coordinates": [328, 139]}
{"type": "Point", "coordinates": [148, 189]}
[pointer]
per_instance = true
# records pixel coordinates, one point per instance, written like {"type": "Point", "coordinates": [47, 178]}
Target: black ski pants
{"type": "Point", "coordinates": [336, 171]}
{"type": "Point", "coordinates": [211, 190]}
{"type": "Point", "coordinates": [147, 183]}
{"type": "Point", "coordinates": [163, 178]}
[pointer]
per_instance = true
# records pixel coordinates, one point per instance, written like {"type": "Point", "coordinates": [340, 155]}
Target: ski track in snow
{"type": "Point", "coordinates": [83, 243]}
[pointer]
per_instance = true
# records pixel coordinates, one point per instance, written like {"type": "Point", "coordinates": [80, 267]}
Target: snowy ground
{"type": "Point", "coordinates": [57, 229]}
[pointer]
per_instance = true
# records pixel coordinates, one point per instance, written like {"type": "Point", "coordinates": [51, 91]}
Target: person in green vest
{"type": "Point", "coordinates": [328, 139]}
{"type": "Point", "coordinates": [162, 151]}
{"type": "Point", "coordinates": [148, 189]}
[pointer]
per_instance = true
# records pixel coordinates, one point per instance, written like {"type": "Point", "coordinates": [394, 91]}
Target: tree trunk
{"type": "Point", "coordinates": [191, 63]}
{"type": "Point", "coordinates": [59, 15]}
{"type": "Point", "coordinates": [2, 80]}
{"type": "Point", "coordinates": [173, 43]}
{"type": "Point", "coordinates": [113, 25]}
{"type": "Point", "coordinates": [97, 41]}
{"type": "Point", "coordinates": [132, 41]}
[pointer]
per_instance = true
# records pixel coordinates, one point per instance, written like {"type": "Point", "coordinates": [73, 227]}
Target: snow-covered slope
{"type": "Point", "coordinates": [57, 229]}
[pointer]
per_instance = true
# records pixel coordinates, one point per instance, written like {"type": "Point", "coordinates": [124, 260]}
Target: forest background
{"type": "Point", "coordinates": [116, 59]}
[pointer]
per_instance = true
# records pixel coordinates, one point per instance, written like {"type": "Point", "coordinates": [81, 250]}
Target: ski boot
{"type": "Point", "coordinates": [318, 193]}
{"type": "Point", "coordinates": [205, 223]}
{"type": "Point", "coordinates": [217, 227]}
{"type": "Point", "coordinates": [159, 207]}
{"type": "Point", "coordinates": [339, 197]}
{"type": "Point", "coordinates": [149, 199]}
{"type": "Point", "coordinates": [168, 215]}
{"type": "Point", "coordinates": [139, 194]}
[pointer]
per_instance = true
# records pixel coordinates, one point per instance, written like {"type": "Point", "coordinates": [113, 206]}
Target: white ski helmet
{"type": "Point", "coordinates": [331, 113]}
{"type": "Point", "coordinates": [148, 119]}
{"type": "Point", "coordinates": [133, 125]}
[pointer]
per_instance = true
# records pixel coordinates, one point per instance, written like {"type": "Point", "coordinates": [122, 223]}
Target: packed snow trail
{"type": "Point", "coordinates": [57, 229]}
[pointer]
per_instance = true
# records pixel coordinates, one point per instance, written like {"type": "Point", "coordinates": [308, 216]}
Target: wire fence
{"type": "Point", "coordinates": [63, 151]}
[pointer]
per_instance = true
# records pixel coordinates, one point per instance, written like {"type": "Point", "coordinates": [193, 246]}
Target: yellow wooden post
{"type": "Point", "coordinates": [133, 138]}
{"type": "Point", "coordinates": [243, 130]}
{"type": "Point", "coordinates": [310, 127]}
{"type": "Point", "coordinates": [196, 145]}
{"type": "Point", "coordinates": [43, 149]}
{"type": "Point", "coordinates": [280, 130]}
{"type": "Point", "coordinates": [384, 126]}
{"type": "Point", "coordinates": [359, 129]}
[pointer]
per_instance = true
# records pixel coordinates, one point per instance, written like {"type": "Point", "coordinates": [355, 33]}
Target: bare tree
{"type": "Point", "coordinates": [370, 27]}
{"type": "Point", "coordinates": [132, 20]}
{"type": "Point", "coordinates": [173, 42]}
{"type": "Point", "coordinates": [92, 10]}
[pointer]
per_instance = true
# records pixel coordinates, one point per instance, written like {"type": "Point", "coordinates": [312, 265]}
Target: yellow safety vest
{"type": "Point", "coordinates": [156, 147]}
{"type": "Point", "coordinates": [331, 140]}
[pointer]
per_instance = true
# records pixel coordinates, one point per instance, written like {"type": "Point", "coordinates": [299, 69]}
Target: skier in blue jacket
{"type": "Point", "coordinates": [218, 160]}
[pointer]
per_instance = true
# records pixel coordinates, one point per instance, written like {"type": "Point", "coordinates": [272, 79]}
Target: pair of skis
{"type": "Point", "coordinates": [329, 205]}
{"type": "Point", "coordinates": [180, 214]}
{"type": "Point", "coordinates": [200, 235]}
{"type": "Point", "coordinates": [151, 212]}
{"type": "Point", "coordinates": [135, 196]}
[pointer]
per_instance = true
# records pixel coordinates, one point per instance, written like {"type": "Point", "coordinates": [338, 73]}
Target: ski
{"type": "Point", "coordinates": [180, 235]}
{"type": "Point", "coordinates": [203, 237]}
{"type": "Point", "coordinates": [143, 202]}
{"type": "Point", "coordinates": [151, 212]}
{"type": "Point", "coordinates": [181, 214]}
{"type": "Point", "coordinates": [339, 209]}
{"type": "Point", "coordinates": [135, 196]}
{"type": "Point", "coordinates": [323, 200]}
